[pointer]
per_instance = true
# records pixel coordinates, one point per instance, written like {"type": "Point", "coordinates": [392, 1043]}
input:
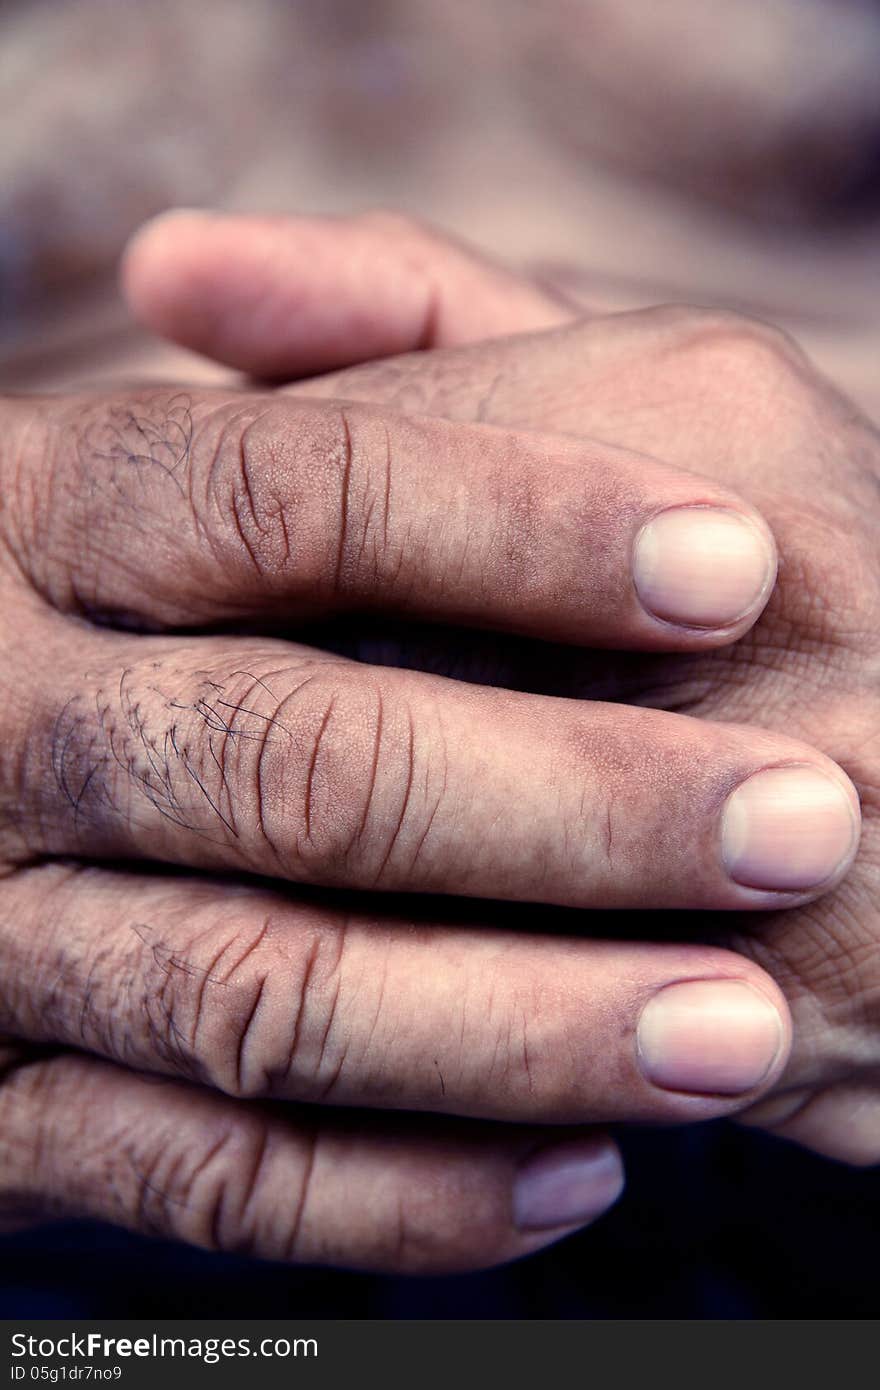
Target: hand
{"type": "Point", "coordinates": [149, 1013]}
{"type": "Point", "coordinates": [728, 397]}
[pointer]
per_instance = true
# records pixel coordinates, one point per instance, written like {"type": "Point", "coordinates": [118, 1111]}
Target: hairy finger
{"type": "Point", "coordinates": [260, 994]}
{"type": "Point", "coordinates": [84, 1138]}
{"type": "Point", "coordinates": [281, 760]}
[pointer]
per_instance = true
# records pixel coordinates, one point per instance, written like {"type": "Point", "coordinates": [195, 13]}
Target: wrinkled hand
{"type": "Point", "coordinates": [155, 1014]}
{"type": "Point", "coordinates": [728, 397]}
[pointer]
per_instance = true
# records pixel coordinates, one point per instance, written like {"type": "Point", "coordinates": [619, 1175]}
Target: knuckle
{"type": "Point", "coordinates": [300, 496]}
{"type": "Point", "coordinates": [753, 378]}
{"type": "Point", "coordinates": [247, 489]}
{"type": "Point", "coordinates": [257, 490]}
{"type": "Point", "coordinates": [749, 349]}
{"type": "Point", "coordinates": [362, 524]}
{"type": "Point", "coordinates": [341, 725]}
{"type": "Point", "coordinates": [305, 1057]}
{"type": "Point", "coordinates": [202, 1002]}
{"type": "Point", "coordinates": [356, 797]}
{"type": "Point", "coordinates": [217, 1193]}
{"type": "Point", "coordinates": [244, 1188]}
{"type": "Point", "coordinates": [252, 1008]}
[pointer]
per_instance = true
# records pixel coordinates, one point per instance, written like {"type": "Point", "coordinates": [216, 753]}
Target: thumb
{"type": "Point", "coordinates": [288, 296]}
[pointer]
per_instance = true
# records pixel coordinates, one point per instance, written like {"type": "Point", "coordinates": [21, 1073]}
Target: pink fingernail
{"type": "Point", "coordinates": [788, 828]}
{"type": "Point", "coordinates": [569, 1184]}
{"type": "Point", "coordinates": [712, 1036]}
{"type": "Point", "coordinates": [703, 566]}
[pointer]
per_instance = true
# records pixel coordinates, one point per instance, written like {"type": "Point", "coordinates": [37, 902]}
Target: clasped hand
{"type": "Point", "coordinates": [205, 825]}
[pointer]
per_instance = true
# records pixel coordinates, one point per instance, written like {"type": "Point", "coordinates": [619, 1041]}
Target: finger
{"type": "Point", "coordinates": [283, 296]}
{"type": "Point", "coordinates": [168, 510]}
{"type": "Point", "coordinates": [840, 1121]}
{"type": "Point", "coordinates": [83, 1138]}
{"type": "Point", "coordinates": [280, 760]}
{"type": "Point", "coordinates": [259, 995]}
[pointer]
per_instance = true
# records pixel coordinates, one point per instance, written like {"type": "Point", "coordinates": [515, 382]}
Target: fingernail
{"type": "Point", "coordinates": [567, 1185]}
{"type": "Point", "coordinates": [711, 1036]}
{"type": "Point", "coordinates": [702, 566]}
{"type": "Point", "coordinates": [788, 828]}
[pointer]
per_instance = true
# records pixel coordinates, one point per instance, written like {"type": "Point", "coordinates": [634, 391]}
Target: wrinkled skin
{"type": "Point", "coordinates": [197, 986]}
{"type": "Point", "coordinates": [734, 399]}
{"type": "Point", "coordinates": [154, 737]}
{"type": "Point", "coordinates": [724, 395]}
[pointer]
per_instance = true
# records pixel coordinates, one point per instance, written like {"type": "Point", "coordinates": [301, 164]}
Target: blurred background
{"type": "Point", "coordinates": [630, 151]}
{"type": "Point", "coordinates": [699, 149]}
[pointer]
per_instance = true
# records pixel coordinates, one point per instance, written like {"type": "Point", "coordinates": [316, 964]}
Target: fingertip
{"type": "Point", "coordinates": [791, 828]}
{"type": "Point", "coordinates": [705, 568]}
{"type": "Point", "coordinates": [713, 1036]}
{"type": "Point", "coordinates": [157, 229]}
{"type": "Point", "coordinates": [149, 269]}
{"type": "Point", "coordinates": [567, 1185]}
